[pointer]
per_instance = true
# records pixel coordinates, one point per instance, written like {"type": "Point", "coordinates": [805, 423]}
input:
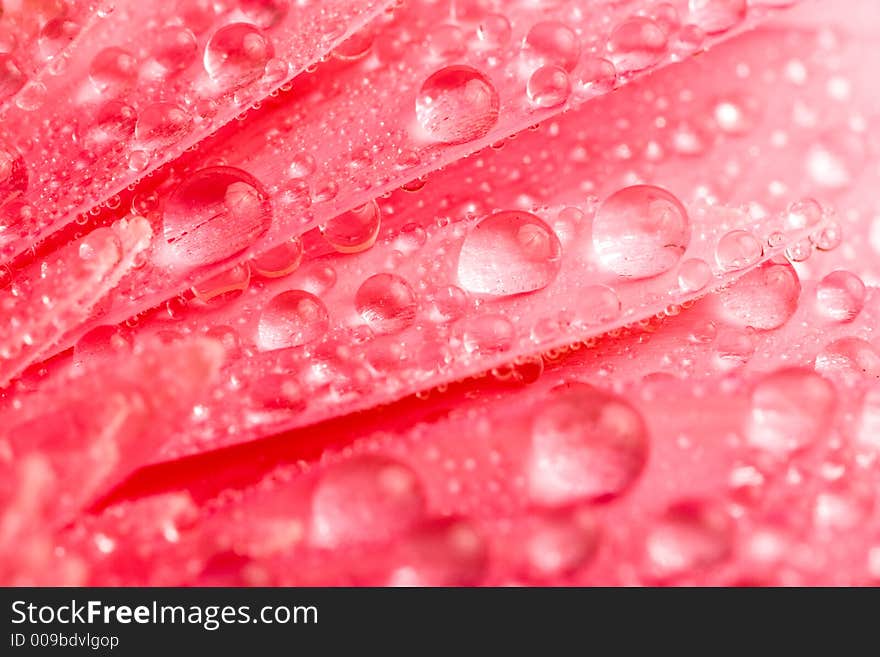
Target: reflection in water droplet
{"type": "Point", "coordinates": [214, 214]}
{"type": "Point", "coordinates": [161, 124]}
{"type": "Point", "coordinates": [636, 44]}
{"type": "Point", "coordinates": [292, 319]}
{"type": "Point", "coordinates": [694, 275]}
{"type": "Point", "coordinates": [280, 260]}
{"type": "Point", "coordinates": [355, 230]}
{"type": "Point", "coordinates": [548, 86]}
{"type": "Point", "coordinates": [509, 253]}
{"type": "Point", "coordinates": [457, 104]}
{"type": "Point", "coordinates": [236, 55]}
{"type": "Point", "coordinates": [640, 231]}
{"type": "Point", "coordinates": [363, 500]}
{"type": "Point", "coordinates": [737, 250]}
{"type": "Point", "coordinates": [764, 298]}
{"type": "Point", "coordinates": [586, 445]}
{"type": "Point", "coordinates": [790, 409]}
{"type": "Point", "coordinates": [387, 303]}
{"type": "Point", "coordinates": [840, 296]}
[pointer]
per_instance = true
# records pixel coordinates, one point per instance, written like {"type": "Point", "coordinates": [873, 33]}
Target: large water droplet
{"type": "Point", "coordinates": [586, 445]}
{"type": "Point", "coordinates": [636, 44]}
{"type": "Point", "coordinates": [292, 319]}
{"type": "Point", "coordinates": [457, 104]}
{"type": "Point", "coordinates": [387, 303]}
{"type": "Point", "coordinates": [214, 214]}
{"type": "Point", "coordinates": [764, 298]}
{"type": "Point", "coordinates": [640, 231]}
{"type": "Point", "coordinates": [367, 499]}
{"type": "Point", "coordinates": [790, 409]}
{"type": "Point", "coordinates": [840, 296]}
{"type": "Point", "coordinates": [355, 230]}
{"type": "Point", "coordinates": [236, 55]}
{"type": "Point", "coordinates": [508, 253]}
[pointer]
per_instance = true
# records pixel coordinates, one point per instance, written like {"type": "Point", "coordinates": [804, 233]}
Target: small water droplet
{"type": "Point", "coordinates": [840, 296]}
{"type": "Point", "coordinates": [457, 104]}
{"type": "Point", "coordinates": [236, 55]}
{"type": "Point", "coordinates": [280, 260]}
{"type": "Point", "coordinates": [509, 253]}
{"type": "Point", "coordinates": [175, 48]}
{"type": "Point", "coordinates": [553, 43]}
{"type": "Point", "coordinates": [355, 230]}
{"type": "Point", "coordinates": [640, 231]}
{"type": "Point", "coordinates": [548, 86]}
{"type": "Point", "coordinates": [161, 124]}
{"type": "Point", "coordinates": [292, 319]}
{"type": "Point", "coordinates": [636, 44]}
{"type": "Point", "coordinates": [387, 303]}
{"type": "Point", "coordinates": [738, 249]}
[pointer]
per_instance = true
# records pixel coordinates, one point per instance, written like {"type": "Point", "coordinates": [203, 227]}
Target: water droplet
{"type": "Point", "coordinates": [367, 499]}
{"type": "Point", "coordinates": [601, 304]}
{"type": "Point", "coordinates": [443, 552]}
{"type": "Point", "coordinates": [113, 70]}
{"type": "Point", "coordinates": [279, 261]}
{"type": "Point", "coordinates": [457, 104]}
{"type": "Point", "coordinates": [689, 536]}
{"type": "Point", "coordinates": [586, 445]}
{"type": "Point", "coordinates": [494, 31]}
{"type": "Point", "coordinates": [790, 409]}
{"type": "Point", "coordinates": [447, 42]}
{"type": "Point", "coordinates": [355, 230]}
{"type": "Point", "coordinates": [558, 542]}
{"type": "Point", "coordinates": [236, 55]}
{"type": "Point", "coordinates": [264, 13]}
{"type": "Point", "coordinates": [640, 231]}
{"type": "Point", "coordinates": [715, 16]}
{"type": "Point", "coordinates": [292, 319]}
{"type": "Point", "coordinates": [636, 44]}
{"type": "Point", "coordinates": [551, 42]}
{"type": "Point", "coordinates": [56, 35]}
{"type": "Point", "coordinates": [225, 285]}
{"type": "Point", "coordinates": [387, 303]}
{"type": "Point", "coordinates": [214, 214]}
{"type": "Point", "coordinates": [11, 77]}
{"type": "Point", "coordinates": [175, 48]}
{"type": "Point", "coordinates": [868, 432]}
{"type": "Point", "coordinates": [764, 298]}
{"type": "Point", "coordinates": [548, 86]}
{"type": "Point", "coordinates": [161, 124]}
{"type": "Point", "coordinates": [840, 296]}
{"type": "Point", "coordinates": [803, 214]}
{"type": "Point", "coordinates": [302, 165]}
{"type": "Point", "coordinates": [13, 176]}
{"type": "Point", "coordinates": [849, 359]}
{"type": "Point", "coordinates": [486, 334]}
{"type": "Point", "coordinates": [509, 253]}
{"type": "Point", "coordinates": [738, 249]}
{"type": "Point", "coordinates": [693, 275]}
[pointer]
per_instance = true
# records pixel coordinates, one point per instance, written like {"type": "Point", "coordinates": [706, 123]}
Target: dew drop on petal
{"type": "Point", "coordinates": [175, 48]}
{"type": "Point", "coordinates": [690, 535]}
{"type": "Point", "coordinates": [738, 249]}
{"type": "Point", "coordinates": [551, 42]}
{"type": "Point", "coordinates": [790, 409]}
{"type": "Point", "coordinates": [236, 55]}
{"type": "Point", "coordinates": [602, 305]}
{"type": "Point", "coordinates": [280, 260]}
{"type": "Point", "coordinates": [694, 274]}
{"type": "Point", "coordinates": [264, 13]}
{"type": "Point", "coordinates": [548, 86]}
{"type": "Point", "coordinates": [507, 253]}
{"type": "Point", "coordinates": [640, 231]}
{"type": "Point", "coordinates": [292, 319]}
{"type": "Point", "coordinates": [161, 124]}
{"type": "Point", "coordinates": [486, 334]}
{"type": "Point", "coordinates": [363, 500]}
{"type": "Point", "coordinates": [113, 70]}
{"type": "Point", "coordinates": [840, 296]}
{"type": "Point", "coordinates": [387, 303]}
{"type": "Point", "coordinates": [213, 214]}
{"type": "Point", "coordinates": [11, 77]}
{"type": "Point", "coordinates": [764, 298]}
{"type": "Point", "coordinates": [558, 542]}
{"type": "Point", "coordinates": [636, 44]}
{"type": "Point", "coordinates": [586, 445]}
{"type": "Point", "coordinates": [441, 552]}
{"type": "Point", "coordinates": [715, 16]}
{"type": "Point", "coordinates": [355, 230]}
{"type": "Point", "coordinates": [457, 104]}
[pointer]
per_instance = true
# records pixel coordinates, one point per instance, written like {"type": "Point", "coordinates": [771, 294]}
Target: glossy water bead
{"type": "Point", "coordinates": [457, 104]}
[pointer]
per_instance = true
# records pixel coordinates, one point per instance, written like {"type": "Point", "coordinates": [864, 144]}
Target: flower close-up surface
{"type": "Point", "coordinates": [439, 293]}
